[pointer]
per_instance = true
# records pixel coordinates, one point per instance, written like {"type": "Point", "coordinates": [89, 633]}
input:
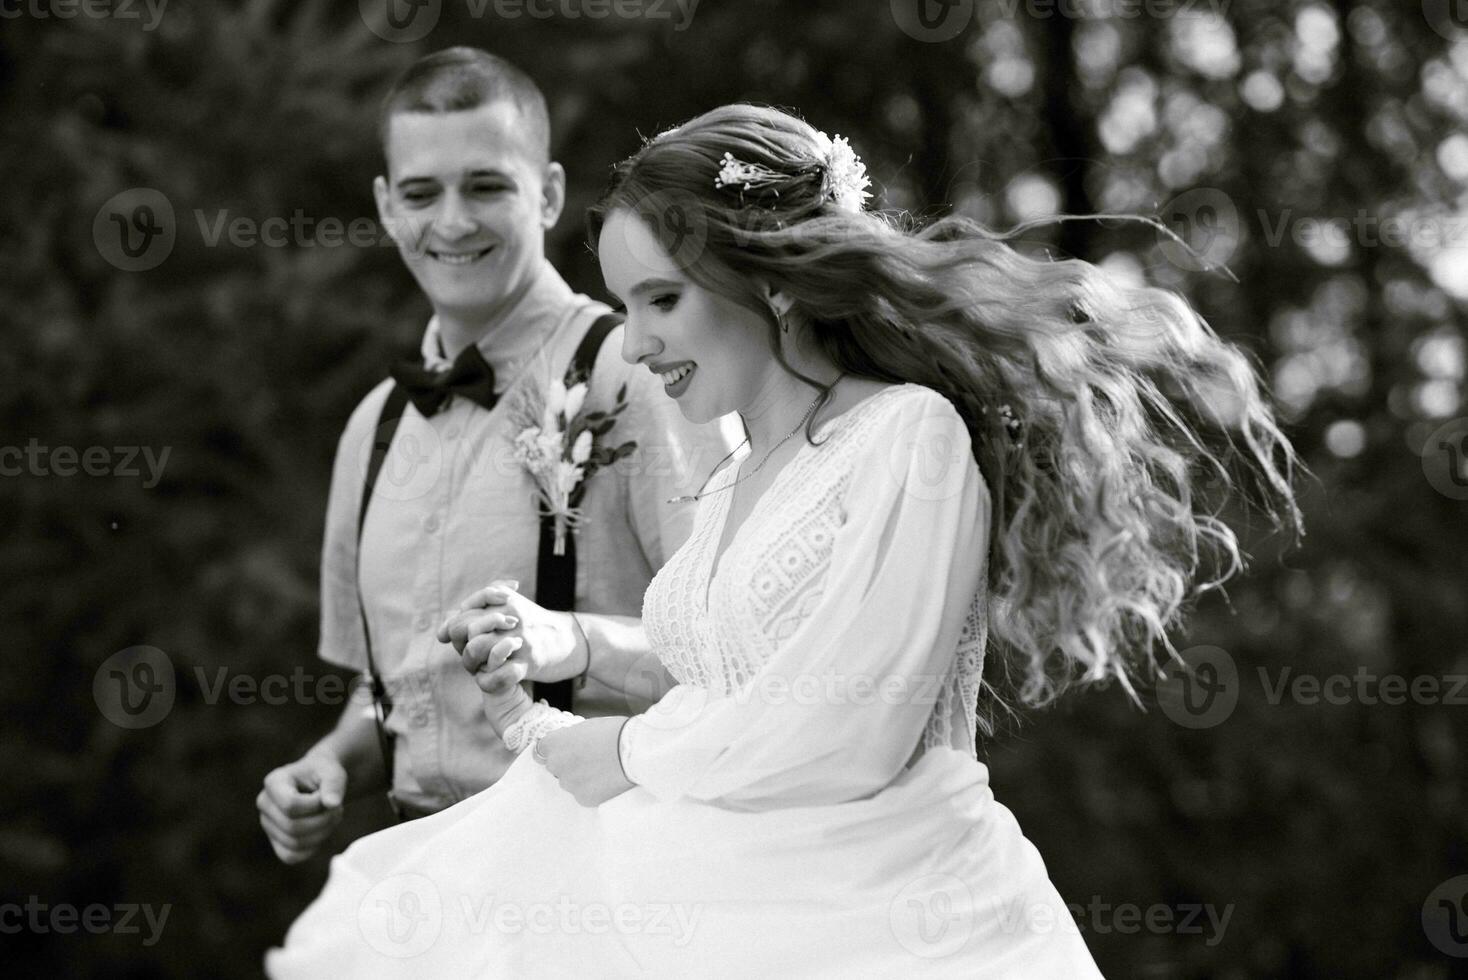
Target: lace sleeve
{"type": "Point", "coordinates": [536, 723]}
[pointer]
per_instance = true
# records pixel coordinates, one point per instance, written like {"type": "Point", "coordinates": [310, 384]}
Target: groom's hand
{"type": "Point", "coordinates": [301, 805]}
{"type": "Point", "coordinates": [504, 638]}
{"type": "Point", "coordinates": [583, 758]}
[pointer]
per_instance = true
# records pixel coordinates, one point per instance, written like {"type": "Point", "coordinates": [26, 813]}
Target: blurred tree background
{"type": "Point", "coordinates": [1320, 829]}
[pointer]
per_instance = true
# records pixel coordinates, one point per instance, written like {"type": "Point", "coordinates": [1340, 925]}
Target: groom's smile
{"type": "Point", "coordinates": [459, 256]}
{"type": "Point", "coordinates": [468, 200]}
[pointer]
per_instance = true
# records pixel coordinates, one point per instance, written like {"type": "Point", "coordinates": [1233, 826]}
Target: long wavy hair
{"type": "Point", "coordinates": [1097, 410]}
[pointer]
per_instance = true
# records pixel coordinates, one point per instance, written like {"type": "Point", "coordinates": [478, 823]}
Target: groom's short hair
{"type": "Point", "coordinates": [460, 78]}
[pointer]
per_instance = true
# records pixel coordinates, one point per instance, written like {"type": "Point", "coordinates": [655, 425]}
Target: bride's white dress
{"type": "Point", "coordinates": [808, 800]}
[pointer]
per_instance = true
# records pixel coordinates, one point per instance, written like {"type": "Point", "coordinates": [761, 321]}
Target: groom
{"type": "Point", "coordinates": [469, 194]}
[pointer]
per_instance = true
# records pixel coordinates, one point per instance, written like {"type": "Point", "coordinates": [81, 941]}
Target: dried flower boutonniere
{"type": "Point", "coordinates": [560, 446]}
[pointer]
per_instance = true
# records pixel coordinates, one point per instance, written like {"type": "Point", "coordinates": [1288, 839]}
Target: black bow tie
{"type": "Point", "coordinates": [470, 376]}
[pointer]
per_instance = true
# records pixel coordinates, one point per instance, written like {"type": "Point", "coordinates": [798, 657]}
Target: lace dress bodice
{"type": "Point", "coordinates": [717, 634]}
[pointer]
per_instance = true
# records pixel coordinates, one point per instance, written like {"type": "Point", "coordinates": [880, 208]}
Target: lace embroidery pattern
{"type": "Point", "coordinates": [771, 578]}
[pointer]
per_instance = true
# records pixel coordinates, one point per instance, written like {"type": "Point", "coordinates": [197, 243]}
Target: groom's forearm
{"type": "Point", "coordinates": [354, 744]}
{"type": "Point", "coordinates": [622, 659]}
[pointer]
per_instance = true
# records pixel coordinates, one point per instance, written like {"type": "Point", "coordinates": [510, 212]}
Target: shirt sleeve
{"type": "Point", "coordinates": [342, 642]}
{"type": "Point", "coordinates": [673, 455]}
{"type": "Point", "coordinates": [838, 709]}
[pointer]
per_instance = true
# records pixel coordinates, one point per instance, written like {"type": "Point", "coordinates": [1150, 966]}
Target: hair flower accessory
{"type": "Point", "coordinates": [846, 175]}
{"type": "Point", "coordinates": [746, 176]}
{"type": "Point", "coordinates": [1012, 425]}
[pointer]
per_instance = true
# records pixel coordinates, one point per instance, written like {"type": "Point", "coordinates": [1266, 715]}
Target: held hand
{"type": "Point", "coordinates": [301, 804]}
{"type": "Point", "coordinates": [504, 638]}
{"type": "Point", "coordinates": [583, 758]}
{"type": "Point", "coordinates": [503, 704]}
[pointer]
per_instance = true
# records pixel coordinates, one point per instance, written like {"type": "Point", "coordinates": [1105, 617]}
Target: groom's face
{"type": "Point", "coordinates": [468, 201]}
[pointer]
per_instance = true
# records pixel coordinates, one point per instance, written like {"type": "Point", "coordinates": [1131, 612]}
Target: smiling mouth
{"type": "Point", "coordinates": [459, 258]}
{"type": "Point", "coordinates": [671, 378]}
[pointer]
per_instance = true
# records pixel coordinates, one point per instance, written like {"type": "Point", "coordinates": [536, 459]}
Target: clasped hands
{"type": "Point", "coordinates": [504, 638]}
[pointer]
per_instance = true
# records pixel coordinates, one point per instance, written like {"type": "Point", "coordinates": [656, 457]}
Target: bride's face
{"type": "Point", "coordinates": [711, 352]}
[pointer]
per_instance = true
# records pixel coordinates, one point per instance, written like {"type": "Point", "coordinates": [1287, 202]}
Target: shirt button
{"type": "Point", "coordinates": [431, 524]}
{"type": "Point", "coordinates": [452, 432]}
{"type": "Point", "coordinates": [422, 622]}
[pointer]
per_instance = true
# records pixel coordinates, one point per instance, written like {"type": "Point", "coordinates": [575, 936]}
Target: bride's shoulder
{"type": "Point", "coordinates": [885, 402]}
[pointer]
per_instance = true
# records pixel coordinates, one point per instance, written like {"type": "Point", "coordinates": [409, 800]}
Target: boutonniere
{"type": "Point", "coordinates": [560, 446]}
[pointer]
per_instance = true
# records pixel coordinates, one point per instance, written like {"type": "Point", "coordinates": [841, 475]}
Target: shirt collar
{"type": "Point", "coordinates": [519, 336]}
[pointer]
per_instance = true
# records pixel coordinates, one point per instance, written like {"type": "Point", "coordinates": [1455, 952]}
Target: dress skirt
{"type": "Point", "coordinates": [930, 877]}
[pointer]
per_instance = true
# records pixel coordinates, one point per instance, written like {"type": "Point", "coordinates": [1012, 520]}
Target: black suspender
{"type": "Point", "coordinates": [387, 427]}
{"type": "Point", "coordinates": [555, 574]}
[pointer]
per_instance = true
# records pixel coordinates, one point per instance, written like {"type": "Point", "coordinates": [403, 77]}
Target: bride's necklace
{"type": "Point", "coordinates": [688, 498]}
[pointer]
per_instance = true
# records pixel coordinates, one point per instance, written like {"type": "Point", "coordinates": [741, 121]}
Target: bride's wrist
{"type": "Point", "coordinates": [582, 643]}
{"type": "Point", "coordinates": [506, 709]}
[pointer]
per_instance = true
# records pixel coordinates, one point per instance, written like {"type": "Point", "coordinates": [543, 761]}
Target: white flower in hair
{"type": "Point", "coordinates": [745, 176]}
{"type": "Point", "coordinates": [845, 178]}
{"type": "Point", "coordinates": [846, 175]}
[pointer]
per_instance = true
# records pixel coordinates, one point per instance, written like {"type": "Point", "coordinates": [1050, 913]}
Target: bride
{"type": "Point", "coordinates": [953, 450]}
